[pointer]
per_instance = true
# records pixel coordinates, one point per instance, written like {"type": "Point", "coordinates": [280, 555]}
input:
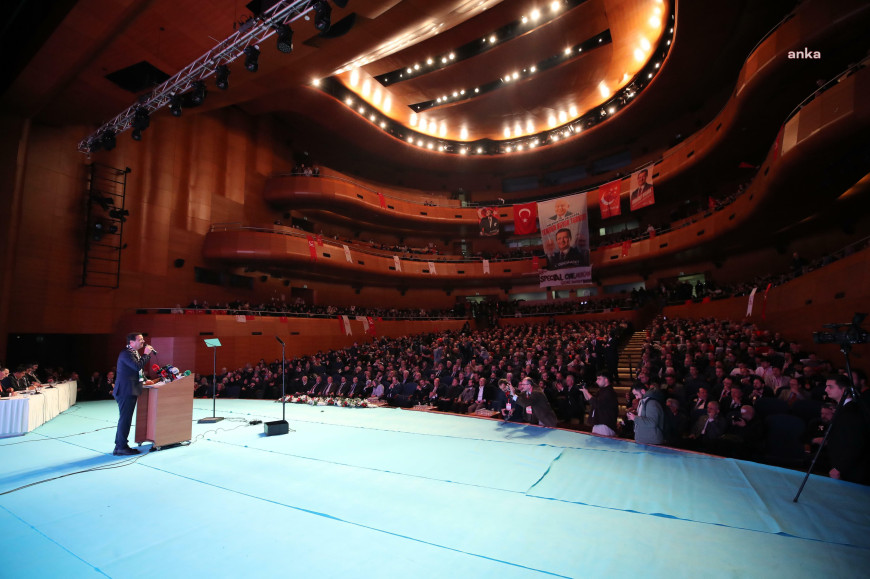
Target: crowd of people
{"type": "Point", "coordinates": [727, 388]}
{"type": "Point", "coordinates": [278, 307]}
{"type": "Point", "coordinates": [455, 371]}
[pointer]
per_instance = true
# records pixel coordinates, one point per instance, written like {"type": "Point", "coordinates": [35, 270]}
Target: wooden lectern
{"type": "Point", "coordinates": [165, 413]}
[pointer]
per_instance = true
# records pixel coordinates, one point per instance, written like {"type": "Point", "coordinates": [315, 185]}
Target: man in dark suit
{"type": "Point", "coordinates": [849, 440]}
{"type": "Point", "coordinates": [489, 224]}
{"type": "Point", "coordinates": [567, 255]}
{"type": "Point", "coordinates": [533, 401]}
{"type": "Point", "coordinates": [128, 386]}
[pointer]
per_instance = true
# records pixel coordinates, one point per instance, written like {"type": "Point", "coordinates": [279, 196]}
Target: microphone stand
{"type": "Point", "coordinates": [279, 426]}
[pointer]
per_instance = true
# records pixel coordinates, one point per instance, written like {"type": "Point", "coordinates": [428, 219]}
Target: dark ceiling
{"type": "Point", "coordinates": [64, 78]}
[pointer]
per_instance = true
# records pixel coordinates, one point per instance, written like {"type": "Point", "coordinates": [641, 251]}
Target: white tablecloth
{"type": "Point", "coordinates": [23, 413]}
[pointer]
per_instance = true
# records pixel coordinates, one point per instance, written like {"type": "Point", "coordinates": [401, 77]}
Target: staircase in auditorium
{"type": "Point", "coordinates": [629, 359]}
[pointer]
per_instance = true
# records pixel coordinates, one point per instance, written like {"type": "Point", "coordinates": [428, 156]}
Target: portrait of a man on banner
{"type": "Point", "coordinates": [489, 224]}
{"type": "Point", "coordinates": [641, 187]}
{"type": "Point", "coordinates": [565, 237]}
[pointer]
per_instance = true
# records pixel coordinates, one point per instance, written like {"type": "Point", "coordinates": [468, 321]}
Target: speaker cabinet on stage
{"type": "Point", "coordinates": [276, 427]}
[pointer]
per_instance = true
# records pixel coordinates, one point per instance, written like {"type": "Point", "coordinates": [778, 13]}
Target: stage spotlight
{"type": "Point", "coordinates": [105, 202]}
{"type": "Point", "coordinates": [108, 139]}
{"type": "Point", "coordinates": [222, 73]}
{"type": "Point", "coordinates": [285, 38]}
{"type": "Point", "coordinates": [252, 57]}
{"type": "Point", "coordinates": [322, 15]}
{"type": "Point", "coordinates": [198, 94]}
{"type": "Point", "coordinates": [141, 121]}
{"type": "Point", "coordinates": [97, 233]}
{"type": "Point", "coordinates": [119, 214]}
{"type": "Point", "coordinates": [175, 105]}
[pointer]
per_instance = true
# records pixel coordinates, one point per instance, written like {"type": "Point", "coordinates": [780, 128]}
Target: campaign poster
{"type": "Point", "coordinates": [641, 187]}
{"type": "Point", "coordinates": [489, 225]}
{"type": "Point", "coordinates": [565, 238]}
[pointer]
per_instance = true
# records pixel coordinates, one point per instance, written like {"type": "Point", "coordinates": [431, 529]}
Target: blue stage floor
{"type": "Point", "coordinates": [383, 493]}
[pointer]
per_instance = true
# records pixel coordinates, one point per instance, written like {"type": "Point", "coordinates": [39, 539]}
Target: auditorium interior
{"type": "Point", "coordinates": [318, 171]}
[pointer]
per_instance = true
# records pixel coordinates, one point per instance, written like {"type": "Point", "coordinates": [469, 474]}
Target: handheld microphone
{"type": "Point", "coordinates": [153, 349]}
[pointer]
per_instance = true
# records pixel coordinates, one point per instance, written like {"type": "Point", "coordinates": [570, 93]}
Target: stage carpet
{"type": "Point", "coordinates": [384, 493]}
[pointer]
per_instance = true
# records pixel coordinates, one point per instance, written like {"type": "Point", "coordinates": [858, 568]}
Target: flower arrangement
{"type": "Point", "coordinates": [317, 401]}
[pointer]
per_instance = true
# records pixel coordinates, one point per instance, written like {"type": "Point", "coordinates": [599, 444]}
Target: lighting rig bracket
{"type": "Point", "coordinates": [255, 31]}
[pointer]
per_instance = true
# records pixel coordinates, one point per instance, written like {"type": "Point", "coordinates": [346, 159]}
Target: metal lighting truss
{"type": "Point", "coordinates": [252, 32]}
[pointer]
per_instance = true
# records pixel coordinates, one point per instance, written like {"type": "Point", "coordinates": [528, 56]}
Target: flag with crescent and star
{"type": "Point", "coordinates": [525, 218]}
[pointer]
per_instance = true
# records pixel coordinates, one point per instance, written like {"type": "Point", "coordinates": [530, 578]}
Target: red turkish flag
{"type": "Point", "coordinates": [382, 201]}
{"type": "Point", "coordinates": [319, 240]}
{"type": "Point", "coordinates": [608, 199]}
{"type": "Point", "coordinates": [312, 248]}
{"type": "Point", "coordinates": [626, 246]}
{"type": "Point", "coordinates": [536, 262]}
{"type": "Point", "coordinates": [525, 218]}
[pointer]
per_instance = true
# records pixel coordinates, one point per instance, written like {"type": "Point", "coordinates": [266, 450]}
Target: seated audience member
{"type": "Point", "coordinates": [107, 385]}
{"type": "Point", "coordinates": [734, 404]}
{"type": "Point", "coordinates": [699, 406]}
{"type": "Point", "coordinates": [745, 435]}
{"type": "Point", "coordinates": [710, 428]}
{"type": "Point", "coordinates": [482, 396]}
{"type": "Point", "coordinates": [759, 390]}
{"type": "Point", "coordinates": [448, 396]}
{"type": "Point", "coordinates": [465, 399]}
{"type": "Point", "coordinates": [678, 422]}
{"type": "Point", "coordinates": [794, 392]}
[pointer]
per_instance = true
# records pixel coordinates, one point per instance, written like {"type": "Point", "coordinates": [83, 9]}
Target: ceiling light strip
{"type": "Point", "coordinates": [569, 54]}
{"type": "Point", "coordinates": [479, 45]}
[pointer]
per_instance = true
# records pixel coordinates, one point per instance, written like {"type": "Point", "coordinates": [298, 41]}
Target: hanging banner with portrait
{"type": "Point", "coordinates": [565, 237]}
{"type": "Point", "coordinates": [641, 187]}
{"type": "Point", "coordinates": [488, 222]}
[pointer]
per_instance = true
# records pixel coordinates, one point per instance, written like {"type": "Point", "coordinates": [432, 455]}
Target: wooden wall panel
{"type": "Point", "coordinates": [179, 337]}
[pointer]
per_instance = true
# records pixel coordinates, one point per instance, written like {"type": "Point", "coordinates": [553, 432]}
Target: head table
{"type": "Point", "coordinates": [24, 411]}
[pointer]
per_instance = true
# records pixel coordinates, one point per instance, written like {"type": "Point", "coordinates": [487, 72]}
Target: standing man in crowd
{"type": "Point", "coordinates": [532, 400]}
{"type": "Point", "coordinates": [849, 440]}
{"type": "Point", "coordinates": [128, 387]}
{"type": "Point", "coordinates": [605, 406]}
